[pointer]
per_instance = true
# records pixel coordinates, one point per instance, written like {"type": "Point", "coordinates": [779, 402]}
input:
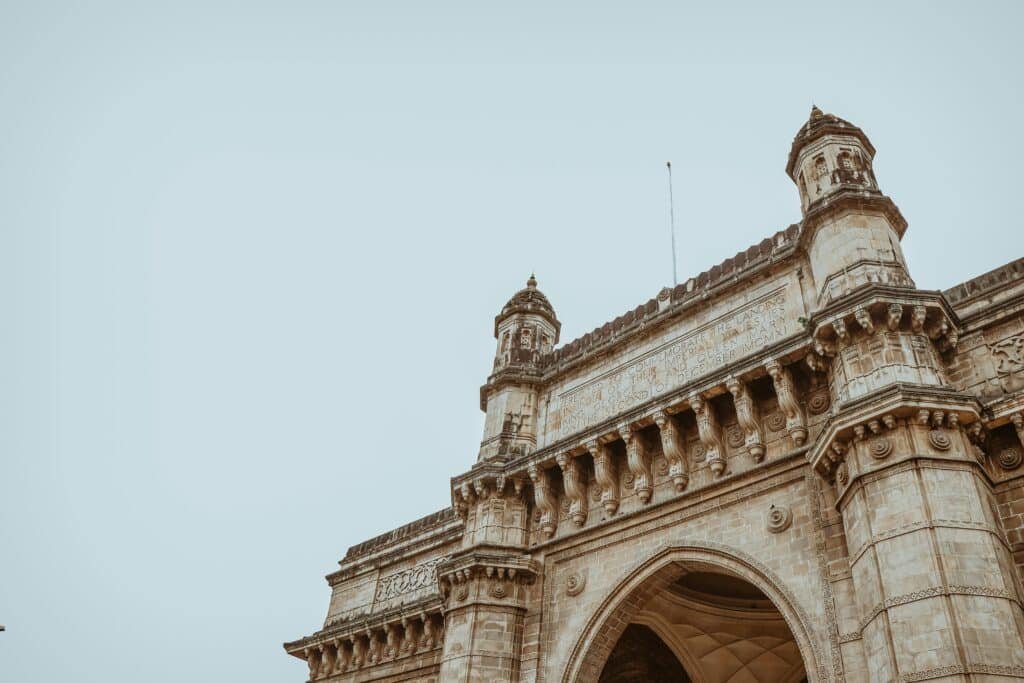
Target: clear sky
{"type": "Point", "coordinates": [250, 255]}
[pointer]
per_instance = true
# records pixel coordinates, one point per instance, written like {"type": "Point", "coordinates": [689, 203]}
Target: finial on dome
{"type": "Point", "coordinates": [532, 282]}
{"type": "Point", "coordinates": [815, 112]}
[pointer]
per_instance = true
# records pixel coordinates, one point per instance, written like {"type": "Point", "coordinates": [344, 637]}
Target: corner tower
{"type": "Point", "coordinates": [526, 328]}
{"type": "Point", "coordinates": [852, 230]}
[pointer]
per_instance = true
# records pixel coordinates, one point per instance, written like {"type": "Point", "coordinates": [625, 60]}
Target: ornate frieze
{"type": "Point", "coordinates": [422, 575]}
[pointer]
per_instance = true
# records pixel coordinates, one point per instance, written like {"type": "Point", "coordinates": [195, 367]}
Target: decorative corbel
{"type": "Point", "coordinates": [746, 413]}
{"type": "Point", "coordinates": [410, 635]}
{"type": "Point", "coordinates": [675, 451]}
{"type": "Point", "coordinates": [394, 640]}
{"type": "Point", "coordinates": [638, 461]}
{"type": "Point", "coordinates": [313, 662]}
{"type": "Point", "coordinates": [1018, 424]}
{"type": "Point", "coordinates": [374, 646]}
{"type": "Point", "coordinates": [482, 489]}
{"type": "Point", "coordinates": [358, 651]}
{"type": "Point", "coordinates": [342, 657]}
{"type": "Point", "coordinates": [917, 318]}
{"type": "Point", "coordinates": [710, 433]}
{"type": "Point", "coordinates": [575, 488]}
{"type": "Point", "coordinates": [796, 423]}
{"type": "Point", "coordinates": [544, 499]}
{"type": "Point", "coordinates": [863, 317]}
{"type": "Point", "coordinates": [839, 326]}
{"type": "Point", "coordinates": [429, 640]}
{"type": "Point", "coordinates": [893, 315]}
{"type": "Point", "coordinates": [606, 475]}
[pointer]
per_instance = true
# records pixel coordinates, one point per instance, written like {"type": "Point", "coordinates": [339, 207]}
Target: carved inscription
{"type": "Point", "coordinates": [688, 357]}
{"type": "Point", "coordinates": [423, 575]}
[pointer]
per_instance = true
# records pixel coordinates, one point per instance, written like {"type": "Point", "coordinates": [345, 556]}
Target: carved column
{"type": "Point", "coordinates": [638, 461]}
{"type": "Point", "coordinates": [675, 451]}
{"type": "Point", "coordinates": [710, 433]}
{"type": "Point", "coordinates": [796, 424]}
{"type": "Point", "coordinates": [607, 476]}
{"type": "Point", "coordinates": [575, 488]}
{"type": "Point", "coordinates": [544, 499]}
{"type": "Point", "coordinates": [746, 413]}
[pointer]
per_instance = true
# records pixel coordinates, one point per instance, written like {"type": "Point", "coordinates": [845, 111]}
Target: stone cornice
{"type": "Point", "coordinates": [1003, 277]}
{"type": "Point", "coordinates": [363, 623]}
{"type": "Point", "coordinates": [873, 293]}
{"type": "Point", "coordinates": [896, 399]}
{"type": "Point", "coordinates": [870, 201]}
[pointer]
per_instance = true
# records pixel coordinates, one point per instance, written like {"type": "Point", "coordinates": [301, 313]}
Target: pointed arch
{"type": "Point", "coordinates": [650, 576]}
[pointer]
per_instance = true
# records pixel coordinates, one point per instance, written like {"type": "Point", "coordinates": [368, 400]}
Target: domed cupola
{"type": "Point", "coordinates": [526, 328]}
{"type": "Point", "coordinates": [830, 154]}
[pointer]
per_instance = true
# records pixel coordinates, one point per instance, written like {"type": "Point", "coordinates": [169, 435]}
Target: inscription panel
{"type": "Point", "coordinates": [687, 356]}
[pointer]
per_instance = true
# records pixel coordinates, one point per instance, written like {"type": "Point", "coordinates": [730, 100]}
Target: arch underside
{"type": "Point", "coordinates": [721, 617]}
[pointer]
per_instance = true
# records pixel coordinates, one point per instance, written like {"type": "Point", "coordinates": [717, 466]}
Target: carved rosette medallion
{"type": "Point", "coordinates": [595, 494]}
{"type": "Point", "coordinates": [939, 440]}
{"type": "Point", "coordinates": [776, 422]}
{"type": "Point", "coordinates": [575, 583]}
{"type": "Point", "coordinates": [699, 450]}
{"type": "Point", "coordinates": [662, 467]}
{"type": "Point", "coordinates": [628, 479]}
{"type": "Point", "coordinates": [818, 403]}
{"type": "Point", "coordinates": [734, 436]}
{"type": "Point", "coordinates": [779, 518]}
{"type": "Point", "coordinates": [497, 590]}
{"type": "Point", "coordinates": [1010, 458]}
{"type": "Point", "coordinates": [566, 504]}
{"type": "Point", "coordinates": [880, 448]}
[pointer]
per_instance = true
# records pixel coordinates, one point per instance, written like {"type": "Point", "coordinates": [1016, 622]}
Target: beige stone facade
{"type": "Point", "coordinates": [795, 466]}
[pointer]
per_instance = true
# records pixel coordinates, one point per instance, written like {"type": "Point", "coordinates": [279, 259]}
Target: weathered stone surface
{"type": "Point", "coordinates": [793, 466]}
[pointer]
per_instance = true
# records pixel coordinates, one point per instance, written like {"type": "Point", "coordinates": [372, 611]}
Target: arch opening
{"type": "Point", "coordinates": [720, 618]}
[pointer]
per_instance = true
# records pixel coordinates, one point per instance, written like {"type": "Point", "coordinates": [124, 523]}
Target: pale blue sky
{"type": "Point", "coordinates": [250, 255]}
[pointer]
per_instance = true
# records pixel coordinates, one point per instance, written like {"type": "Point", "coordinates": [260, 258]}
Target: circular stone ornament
{"type": "Point", "coordinates": [939, 440]}
{"type": "Point", "coordinates": [734, 437]}
{"type": "Point", "coordinates": [779, 518]}
{"type": "Point", "coordinates": [575, 584]}
{"type": "Point", "coordinates": [880, 448]}
{"type": "Point", "coordinates": [776, 422]}
{"type": "Point", "coordinates": [1010, 458]}
{"type": "Point", "coordinates": [818, 403]}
